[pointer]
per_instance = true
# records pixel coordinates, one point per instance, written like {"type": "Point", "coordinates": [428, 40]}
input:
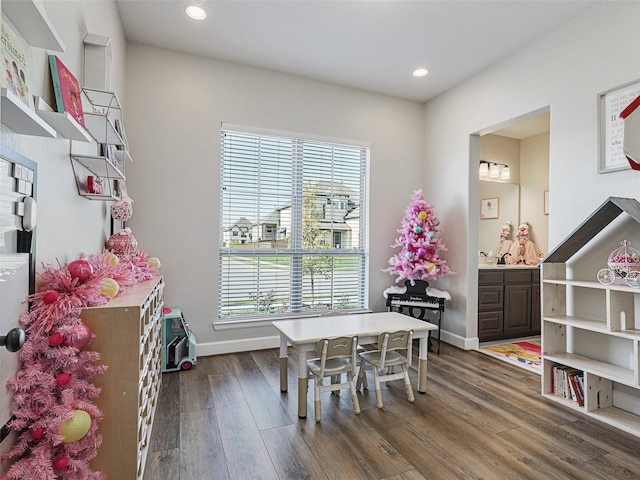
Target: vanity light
{"type": "Point", "coordinates": [196, 12]}
{"type": "Point", "coordinates": [494, 170]}
{"type": "Point", "coordinates": [420, 72]}
{"type": "Point", "coordinates": [484, 169]}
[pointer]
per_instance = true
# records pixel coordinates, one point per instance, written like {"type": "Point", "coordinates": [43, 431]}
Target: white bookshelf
{"type": "Point", "coordinates": [591, 327]}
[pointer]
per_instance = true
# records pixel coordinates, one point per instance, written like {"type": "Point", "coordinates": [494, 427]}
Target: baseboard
{"type": "Point", "coordinates": [458, 341]}
{"type": "Point", "coordinates": [236, 346]}
{"type": "Point", "coordinates": [264, 343]}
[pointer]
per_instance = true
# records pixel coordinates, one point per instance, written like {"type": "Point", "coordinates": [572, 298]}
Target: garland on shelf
{"type": "Point", "coordinates": [55, 419]}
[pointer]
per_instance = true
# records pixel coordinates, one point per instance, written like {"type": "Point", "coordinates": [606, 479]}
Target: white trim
{"type": "Point", "coordinates": [273, 341]}
{"type": "Point", "coordinates": [236, 346]}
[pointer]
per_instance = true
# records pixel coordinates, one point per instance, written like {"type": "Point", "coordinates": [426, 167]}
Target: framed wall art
{"type": "Point", "coordinates": [489, 208]}
{"type": "Point", "coordinates": [546, 202]}
{"type": "Point", "coordinates": [611, 127]}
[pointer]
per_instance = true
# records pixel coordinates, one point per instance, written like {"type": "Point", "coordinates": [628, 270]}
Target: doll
{"type": "Point", "coordinates": [523, 250]}
{"type": "Point", "coordinates": [505, 240]}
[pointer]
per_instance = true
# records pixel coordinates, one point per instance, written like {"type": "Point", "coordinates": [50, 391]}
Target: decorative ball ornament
{"type": "Point", "coordinates": [417, 229]}
{"type": "Point", "coordinates": [110, 287]}
{"type": "Point", "coordinates": [60, 463]}
{"type": "Point", "coordinates": [56, 339]}
{"type": "Point", "coordinates": [75, 428]}
{"type": "Point", "coordinates": [422, 215]}
{"type": "Point", "coordinates": [154, 262]}
{"type": "Point", "coordinates": [80, 269]}
{"type": "Point", "coordinates": [392, 261]}
{"type": "Point", "coordinates": [430, 267]}
{"type": "Point", "coordinates": [62, 379]}
{"type": "Point", "coordinates": [37, 433]}
{"type": "Point", "coordinates": [78, 336]}
{"type": "Point", "coordinates": [415, 209]}
{"type": "Point", "coordinates": [432, 234]}
{"type": "Point", "coordinates": [122, 210]}
{"type": "Point", "coordinates": [112, 259]}
{"type": "Point", "coordinates": [422, 251]}
{"type": "Point", "coordinates": [409, 255]}
{"type": "Point", "coordinates": [122, 242]}
{"type": "Point", "coordinates": [50, 296]}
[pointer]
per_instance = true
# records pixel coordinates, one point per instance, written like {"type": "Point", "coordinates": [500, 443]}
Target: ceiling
{"type": "Point", "coordinates": [364, 44]}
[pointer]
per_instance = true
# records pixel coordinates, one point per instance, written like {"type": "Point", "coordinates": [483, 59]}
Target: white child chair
{"type": "Point", "coordinates": [385, 359]}
{"type": "Point", "coordinates": [337, 356]}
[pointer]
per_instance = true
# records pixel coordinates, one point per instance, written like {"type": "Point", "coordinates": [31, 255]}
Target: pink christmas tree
{"type": "Point", "coordinates": [56, 420]}
{"type": "Point", "coordinates": [420, 242]}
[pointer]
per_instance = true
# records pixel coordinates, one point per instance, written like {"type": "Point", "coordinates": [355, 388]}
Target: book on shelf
{"type": "Point", "coordinates": [66, 89]}
{"type": "Point", "coordinates": [15, 77]}
{"type": "Point", "coordinates": [567, 383]}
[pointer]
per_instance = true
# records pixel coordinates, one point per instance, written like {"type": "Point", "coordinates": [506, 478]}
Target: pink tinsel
{"type": "Point", "coordinates": [39, 401]}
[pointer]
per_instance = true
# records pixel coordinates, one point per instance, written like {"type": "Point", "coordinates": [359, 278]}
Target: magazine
{"type": "Point", "coordinates": [14, 61]}
{"type": "Point", "coordinates": [66, 89]}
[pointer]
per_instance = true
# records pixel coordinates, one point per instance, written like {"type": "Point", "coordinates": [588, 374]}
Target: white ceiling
{"type": "Point", "coordinates": [368, 45]}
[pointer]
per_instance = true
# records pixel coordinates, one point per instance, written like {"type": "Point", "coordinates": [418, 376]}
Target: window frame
{"type": "Point", "coordinates": [362, 252]}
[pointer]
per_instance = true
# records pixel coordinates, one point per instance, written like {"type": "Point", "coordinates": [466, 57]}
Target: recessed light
{"type": "Point", "coordinates": [420, 72]}
{"type": "Point", "coordinates": [196, 12]}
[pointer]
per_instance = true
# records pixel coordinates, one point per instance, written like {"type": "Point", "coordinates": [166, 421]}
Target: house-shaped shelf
{"type": "Point", "coordinates": [591, 329]}
{"type": "Point", "coordinates": [599, 219]}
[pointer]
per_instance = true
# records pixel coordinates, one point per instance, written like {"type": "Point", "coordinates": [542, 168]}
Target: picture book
{"type": "Point", "coordinates": [14, 77]}
{"type": "Point", "coordinates": [66, 89]}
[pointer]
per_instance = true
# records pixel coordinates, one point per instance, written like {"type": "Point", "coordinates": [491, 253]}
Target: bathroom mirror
{"type": "Point", "coordinates": [508, 211]}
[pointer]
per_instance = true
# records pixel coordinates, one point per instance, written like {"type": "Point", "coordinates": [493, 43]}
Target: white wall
{"type": "Point", "coordinates": [564, 70]}
{"type": "Point", "coordinates": [67, 223]}
{"type": "Point", "coordinates": [175, 105]}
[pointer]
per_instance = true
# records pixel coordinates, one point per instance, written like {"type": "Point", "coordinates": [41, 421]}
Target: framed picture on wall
{"type": "Point", "coordinates": [489, 208]}
{"type": "Point", "coordinates": [546, 202]}
{"type": "Point", "coordinates": [611, 156]}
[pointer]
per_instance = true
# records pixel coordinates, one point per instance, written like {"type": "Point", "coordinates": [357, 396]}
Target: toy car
{"type": "Point", "coordinates": [178, 342]}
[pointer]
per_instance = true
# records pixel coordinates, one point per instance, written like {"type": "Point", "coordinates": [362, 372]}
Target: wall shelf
{"type": "Point", "coordinates": [103, 122]}
{"type": "Point", "coordinates": [31, 20]}
{"type": "Point", "coordinates": [64, 124]}
{"type": "Point", "coordinates": [21, 119]}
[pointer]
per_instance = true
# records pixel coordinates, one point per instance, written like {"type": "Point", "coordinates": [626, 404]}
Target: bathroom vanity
{"type": "Point", "coordinates": [508, 301]}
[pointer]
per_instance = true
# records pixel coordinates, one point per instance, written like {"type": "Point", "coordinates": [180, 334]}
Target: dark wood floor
{"type": "Point", "coordinates": [480, 419]}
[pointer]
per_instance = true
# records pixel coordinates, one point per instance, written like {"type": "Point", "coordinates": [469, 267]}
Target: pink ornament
{"type": "Point", "coordinates": [56, 339]}
{"type": "Point", "coordinates": [50, 296]}
{"type": "Point", "coordinates": [422, 251]}
{"type": "Point", "coordinates": [63, 379]}
{"type": "Point", "coordinates": [122, 242]}
{"type": "Point", "coordinates": [415, 209]}
{"type": "Point", "coordinates": [80, 269]}
{"type": "Point", "coordinates": [78, 336]}
{"type": "Point", "coordinates": [37, 433]}
{"type": "Point", "coordinates": [60, 463]}
{"type": "Point", "coordinates": [122, 210]}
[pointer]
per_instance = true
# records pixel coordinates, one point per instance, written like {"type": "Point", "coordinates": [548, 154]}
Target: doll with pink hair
{"type": "Point", "coordinates": [523, 250]}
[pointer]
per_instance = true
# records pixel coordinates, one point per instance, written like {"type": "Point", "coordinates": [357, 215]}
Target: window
{"type": "Point", "coordinates": [311, 261]}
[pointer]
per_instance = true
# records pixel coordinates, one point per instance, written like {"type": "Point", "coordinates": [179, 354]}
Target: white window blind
{"type": "Point", "coordinates": [294, 226]}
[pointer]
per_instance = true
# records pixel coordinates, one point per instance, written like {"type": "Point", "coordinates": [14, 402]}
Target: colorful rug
{"type": "Point", "coordinates": [524, 354]}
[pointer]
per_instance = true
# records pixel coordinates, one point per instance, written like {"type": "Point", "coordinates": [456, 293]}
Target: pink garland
{"type": "Point", "coordinates": [42, 402]}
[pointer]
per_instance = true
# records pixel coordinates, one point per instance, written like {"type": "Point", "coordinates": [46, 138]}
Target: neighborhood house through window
{"type": "Point", "coordinates": [294, 226]}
